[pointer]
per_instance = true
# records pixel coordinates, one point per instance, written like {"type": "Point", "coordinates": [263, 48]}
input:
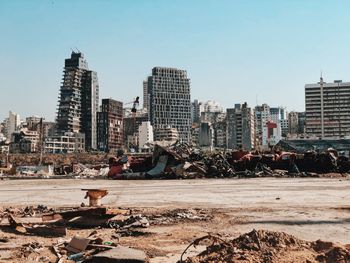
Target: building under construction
{"type": "Point", "coordinates": [78, 100]}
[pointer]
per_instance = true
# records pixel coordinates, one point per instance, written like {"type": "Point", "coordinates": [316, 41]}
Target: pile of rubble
{"type": "Point", "coordinates": [183, 161]}
{"type": "Point", "coordinates": [268, 246]}
{"type": "Point", "coordinates": [52, 223]}
{"type": "Point", "coordinates": [55, 224]}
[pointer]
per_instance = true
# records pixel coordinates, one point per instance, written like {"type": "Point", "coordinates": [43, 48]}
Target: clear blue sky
{"type": "Point", "coordinates": [234, 51]}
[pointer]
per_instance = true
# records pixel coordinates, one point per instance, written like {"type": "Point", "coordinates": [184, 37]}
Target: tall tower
{"type": "Point", "coordinates": [170, 101]}
{"type": "Point", "coordinates": [145, 95]}
{"type": "Point", "coordinates": [78, 99]}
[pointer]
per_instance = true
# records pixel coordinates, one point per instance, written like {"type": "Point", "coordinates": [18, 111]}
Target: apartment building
{"type": "Point", "coordinates": [170, 101]}
{"type": "Point", "coordinates": [327, 109]}
{"type": "Point", "coordinates": [110, 126]}
{"type": "Point", "coordinates": [241, 127]}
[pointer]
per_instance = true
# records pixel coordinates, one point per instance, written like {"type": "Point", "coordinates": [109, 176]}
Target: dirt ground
{"type": "Point", "coordinates": [309, 209]}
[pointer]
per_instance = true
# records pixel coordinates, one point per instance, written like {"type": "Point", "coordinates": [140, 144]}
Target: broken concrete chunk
{"type": "Point", "coordinates": [77, 244]}
{"type": "Point", "coordinates": [120, 254]}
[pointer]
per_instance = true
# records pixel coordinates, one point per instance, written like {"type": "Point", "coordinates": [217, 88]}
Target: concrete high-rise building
{"type": "Point", "coordinates": [220, 131]}
{"type": "Point", "coordinates": [206, 134]}
{"type": "Point", "coordinates": [195, 111]}
{"type": "Point", "coordinates": [167, 134]}
{"type": "Point", "coordinates": [12, 124]}
{"type": "Point", "coordinates": [131, 125]}
{"type": "Point", "coordinates": [301, 122]}
{"type": "Point", "coordinates": [211, 106]}
{"type": "Point", "coordinates": [217, 120]}
{"type": "Point", "coordinates": [327, 109]}
{"type": "Point", "coordinates": [145, 95]}
{"type": "Point", "coordinates": [241, 127]}
{"type": "Point", "coordinates": [110, 126]}
{"type": "Point", "coordinates": [145, 134]}
{"type": "Point", "coordinates": [271, 135]}
{"type": "Point", "coordinates": [89, 108]}
{"type": "Point", "coordinates": [262, 116]}
{"type": "Point", "coordinates": [78, 100]}
{"type": "Point", "coordinates": [296, 124]}
{"type": "Point", "coordinates": [293, 122]}
{"type": "Point", "coordinates": [279, 116]}
{"type": "Point", "coordinates": [170, 101]}
{"type": "Point", "coordinates": [33, 123]}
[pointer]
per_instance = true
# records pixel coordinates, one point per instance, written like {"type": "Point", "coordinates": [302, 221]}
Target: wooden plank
{"type": "Point", "coordinates": [84, 211]}
{"type": "Point", "coordinates": [117, 211]}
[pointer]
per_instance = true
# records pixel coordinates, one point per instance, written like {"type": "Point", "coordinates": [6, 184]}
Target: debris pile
{"type": "Point", "coordinates": [56, 224]}
{"type": "Point", "coordinates": [94, 249]}
{"type": "Point", "coordinates": [177, 215]}
{"type": "Point", "coordinates": [181, 161]}
{"type": "Point", "coordinates": [47, 222]}
{"type": "Point", "coordinates": [268, 246]}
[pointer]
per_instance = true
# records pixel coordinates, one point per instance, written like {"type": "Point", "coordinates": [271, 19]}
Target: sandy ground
{"type": "Point", "coordinates": [307, 208]}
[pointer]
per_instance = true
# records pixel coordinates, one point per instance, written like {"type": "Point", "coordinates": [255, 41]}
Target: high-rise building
{"type": "Point", "coordinates": [220, 131]}
{"type": "Point", "coordinates": [145, 95]}
{"type": "Point", "coordinates": [110, 126]}
{"type": "Point", "coordinates": [78, 100]}
{"type": "Point", "coordinates": [262, 116]}
{"type": "Point", "coordinates": [170, 102]}
{"type": "Point", "coordinates": [167, 134]}
{"type": "Point", "coordinates": [206, 134]}
{"type": "Point", "coordinates": [145, 134]}
{"type": "Point", "coordinates": [89, 108]}
{"type": "Point", "coordinates": [195, 111]}
{"type": "Point", "coordinates": [33, 123]}
{"type": "Point", "coordinates": [301, 122]}
{"type": "Point", "coordinates": [241, 127]}
{"type": "Point", "coordinates": [271, 135]}
{"type": "Point", "coordinates": [293, 122]}
{"type": "Point", "coordinates": [211, 106]}
{"type": "Point", "coordinates": [131, 125]}
{"type": "Point", "coordinates": [279, 116]}
{"type": "Point", "coordinates": [327, 109]}
{"type": "Point", "coordinates": [217, 120]}
{"type": "Point", "coordinates": [12, 124]}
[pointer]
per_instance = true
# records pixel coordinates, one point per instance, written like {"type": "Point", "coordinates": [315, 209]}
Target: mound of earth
{"type": "Point", "coordinates": [269, 246]}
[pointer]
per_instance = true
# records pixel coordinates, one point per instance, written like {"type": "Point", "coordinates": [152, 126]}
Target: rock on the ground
{"type": "Point", "coordinates": [120, 254]}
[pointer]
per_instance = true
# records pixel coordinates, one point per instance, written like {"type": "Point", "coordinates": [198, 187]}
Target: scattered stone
{"type": "Point", "coordinates": [119, 254]}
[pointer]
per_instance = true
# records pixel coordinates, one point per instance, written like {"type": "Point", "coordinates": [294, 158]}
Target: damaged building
{"type": "Point", "coordinates": [131, 126]}
{"type": "Point", "coordinates": [78, 100]}
{"type": "Point", "coordinates": [170, 101]}
{"type": "Point", "coordinates": [25, 141]}
{"type": "Point", "coordinates": [240, 127]}
{"type": "Point", "coordinates": [69, 142]}
{"type": "Point", "coordinates": [217, 119]}
{"type": "Point", "coordinates": [110, 126]}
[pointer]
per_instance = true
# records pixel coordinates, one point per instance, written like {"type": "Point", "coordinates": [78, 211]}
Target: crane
{"type": "Point", "coordinates": [135, 104]}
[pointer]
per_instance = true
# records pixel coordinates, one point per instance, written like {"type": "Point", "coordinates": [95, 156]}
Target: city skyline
{"type": "Point", "coordinates": [250, 52]}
